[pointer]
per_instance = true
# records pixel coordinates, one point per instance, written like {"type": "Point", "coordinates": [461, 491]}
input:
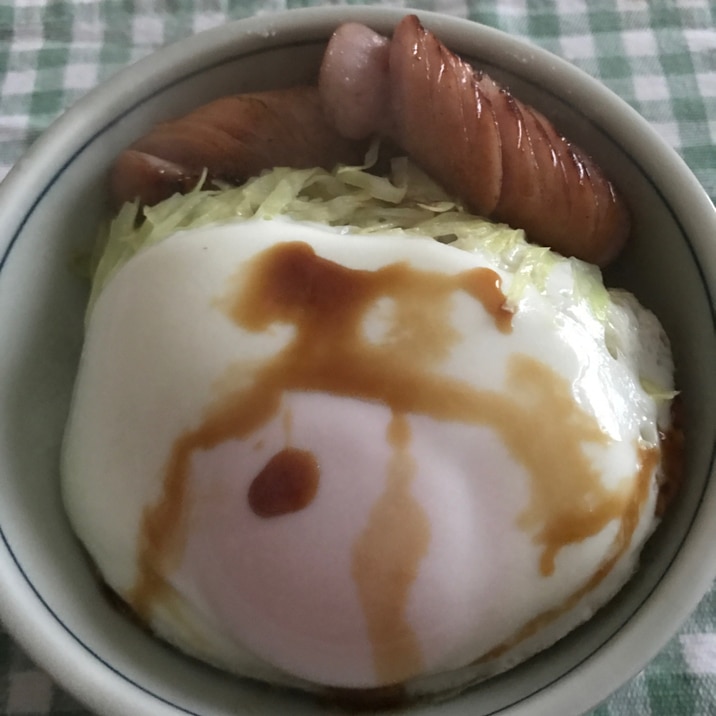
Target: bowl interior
{"type": "Point", "coordinates": [53, 205]}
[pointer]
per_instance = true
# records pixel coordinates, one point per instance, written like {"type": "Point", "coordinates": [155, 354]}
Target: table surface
{"type": "Point", "coordinates": [659, 56]}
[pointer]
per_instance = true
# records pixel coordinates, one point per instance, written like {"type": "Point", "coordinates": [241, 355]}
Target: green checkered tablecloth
{"type": "Point", "coordinates": [659, 56]}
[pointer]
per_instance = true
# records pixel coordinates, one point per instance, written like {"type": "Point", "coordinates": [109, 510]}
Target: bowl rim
{"type": "Point", "coordinates": [32, 621]}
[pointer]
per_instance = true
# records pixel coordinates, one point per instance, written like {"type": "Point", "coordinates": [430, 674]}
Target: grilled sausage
{"type": "Point", "coordinates": [233, 138]}
{"type": "Point", "coordinates": [504, 159]}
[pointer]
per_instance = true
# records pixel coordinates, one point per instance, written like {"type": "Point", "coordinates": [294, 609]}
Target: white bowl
{"type": "Point", "coordinates": [50, 206]}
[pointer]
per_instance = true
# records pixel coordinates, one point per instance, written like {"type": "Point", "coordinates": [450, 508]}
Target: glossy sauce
{"type": "Point", "coordinates": [388, 553]}
{"type": "Point", "coordinates": [327, 304]}
{"type": "Point", "coordinates": [672, 450]}
{"type": "Point", "coordinates": [288, 483]}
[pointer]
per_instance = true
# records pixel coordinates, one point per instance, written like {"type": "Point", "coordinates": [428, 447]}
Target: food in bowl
{"type": "Point", "coordinates": [503, 158]}
{"type": "Point", "coordinates": [313, 445]}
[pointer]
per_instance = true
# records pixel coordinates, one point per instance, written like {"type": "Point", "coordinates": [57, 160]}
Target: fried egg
{"type": "Point", "coordinates": [332, 460]}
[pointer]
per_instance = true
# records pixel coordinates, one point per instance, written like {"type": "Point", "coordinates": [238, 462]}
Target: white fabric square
{"type": "Point", "coordinates": [577, 47]}
{"type": "Point", "coordinates": [147, 30]}
{"type": "Point", "coordinates": [669, 132]}
{"type": "Point", "coordinates": [699, 652]}
{"type": "Point", "coordinates": [700, 41]}
{"type": "Point", "coordinates": [19, 82]}
{"type": "Point", "coordinates": [707, 83]}
{"type": "Point", "coordinates": [651, 87]}
{"type": "Point", "coordinates": [571, 7]}
{"type": "Point", "coordinates": [632, 5]}
{"type": "Point", "coordinates": [639, 43]}
{"type": "Point", "coordinates": [80, 76]}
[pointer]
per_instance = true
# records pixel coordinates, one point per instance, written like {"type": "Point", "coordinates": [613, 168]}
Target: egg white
{"type": "Point", "coordinates": [157, 353]}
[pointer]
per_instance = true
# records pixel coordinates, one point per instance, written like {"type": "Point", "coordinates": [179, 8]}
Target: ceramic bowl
{"type": "Point", "coordinates": [50, 206]}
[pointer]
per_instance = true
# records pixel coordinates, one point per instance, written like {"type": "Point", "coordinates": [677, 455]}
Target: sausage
{"type": "Point", "coordinates": [233, 138]}
{"type": "Point", "coordinates": [504, 159]}
{"type": "Point", "coordinates": [138, 175]}
{"type": "Point", "coordinates": [355, 68]}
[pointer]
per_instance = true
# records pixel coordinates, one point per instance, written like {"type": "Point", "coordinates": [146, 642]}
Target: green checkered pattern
{"type": "Point", "coordinates": [660, 56]}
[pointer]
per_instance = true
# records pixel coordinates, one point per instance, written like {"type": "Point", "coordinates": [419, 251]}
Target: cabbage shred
{"type": "Point", "coordinates": [405, 201]}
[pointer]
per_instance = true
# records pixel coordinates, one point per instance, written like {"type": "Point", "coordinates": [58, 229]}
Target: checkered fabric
{"type": "Point", "coordinates": [659, 55]}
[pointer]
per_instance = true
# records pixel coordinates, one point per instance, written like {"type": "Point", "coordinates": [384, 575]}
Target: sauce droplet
{"type": "Point", "coordinates": [288, 483]}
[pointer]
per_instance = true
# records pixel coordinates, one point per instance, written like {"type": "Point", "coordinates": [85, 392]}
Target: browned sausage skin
{"type": "Point", "coordinates": [137, 174]}
{"type": "Point", "coordinates": [503, 158]}
{"type": "Point", "coordinates": [233, 138]}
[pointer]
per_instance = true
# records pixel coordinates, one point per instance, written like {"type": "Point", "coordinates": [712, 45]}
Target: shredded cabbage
{"type": "Point", "coordinates": [406, 201]}
{"type": "Point", "coordinates": [656, 391]}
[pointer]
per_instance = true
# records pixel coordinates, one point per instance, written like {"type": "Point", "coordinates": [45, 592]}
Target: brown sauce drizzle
{"type": "Point", "coordinates": [648, 460]}
{"type": "Point", "coordinates": [327, 304]}
{"type": "Point", "coordinates": [288, 483]}
{"type": "Point", "coordinates": [389, 552]}
{"type": "Point", "coordinates": [672, 450]}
